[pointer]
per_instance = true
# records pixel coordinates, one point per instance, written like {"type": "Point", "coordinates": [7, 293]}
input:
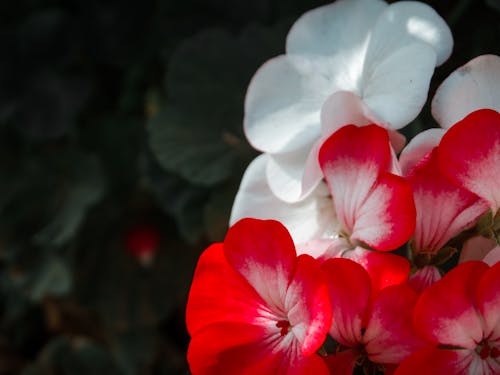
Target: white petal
{"type": "Point", "coordinates": [474, 86]}
{"type": "Point", "coordinates": [419, 146]}
{"type": "Point", "coordinates": [292, 176]}
{"type": "Point", "coordinates": [312, 218]}
{"type": "Point", "coordinates": [334, 28]}
{"type": "Point", "coordinates": [396, 86]}
{"type": "Point", "coordinates": [282, 104]}
{"type": "Point", "coordinates": [407, 22]}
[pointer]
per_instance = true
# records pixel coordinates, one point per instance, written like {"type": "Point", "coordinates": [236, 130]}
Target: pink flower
{"type": "Point", "coordinates": [372, 328]}
{"type": "Point", "coordinates": [255, 307]}
{"type": "Point", "coordinates": [373, 206]}
{"type": "Point", "coordinates": [460, 316]}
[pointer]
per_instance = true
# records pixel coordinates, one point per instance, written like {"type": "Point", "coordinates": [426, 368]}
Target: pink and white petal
{"type": "Point", "coordinates": [435, 361]}
{"type": "Point", "coordinates": [488, 302]}
{"type": "Point", "coordinates": [386, 219]}
{"type": "Point", "coordinates": [424, 278]}
{"type": "Point", "coordinates": [473, 86]}
{"type": "Point", "coordinates": [350, 291]}
{"type": "Point", "coordinates": [294, 175]}
{"type": "Point", "coordinates": [345, 108]}
{"type": "Point", "coordinates": [446, 311]}
{"type": "Point", "coordinates": [219, 294]}
{"type": "Point", "coordinates": [263, 252]}
{"type": "Point", "coordinates": [389, 335]}
{"type": "Point", "coordinates": [236, 348]}
{"type": "Point", "coordinates": [398, 141]}
{"type": "Point", "coordinates": [351, 170]}
{"type": "Point", "coordinates": [476, 248]}
{"type": "Point", "coordinates": [493, 257]}
{"type": "Point", "coordinates": [282, 104]}
{"type": "Point", "coordinates": [334, 28]}
{"type": "Point", "coordinates": [469, 155]}
{"type": "Point", "coordinates": [443, 209]}
{"type": "Point", "coordinates": [307, 305]}
{"type": "Point", "coordinates": [298, 364]}
{"type": "Point", "coordinates": [313, 217]}
{"type": "Point", "coordinates": [407, 22]}
{"type": "Point", "coordinates": [385, 269]}
{"type": "Point", "coordinates": [394, 93]}
{"type": "Point", "coordinates": [421, 145]}
{"type": "Point", "coordinates": [342, 363]}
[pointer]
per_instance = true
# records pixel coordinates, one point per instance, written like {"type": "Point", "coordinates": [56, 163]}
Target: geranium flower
{"type": "Point", "coordinates": [255, 307]}
{"type": "Point", "coordinates": [480, 248]}
{"type": "Point", "coordinates": [373, 329]}
{"type": "Point", "coordinates": [459, 315]}
{"type": "Point", "coordinates": [345, 63]}
{"type": "Point", "coordinates": [443, 208]}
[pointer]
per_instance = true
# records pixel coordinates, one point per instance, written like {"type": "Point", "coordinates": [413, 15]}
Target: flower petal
{"type": "Point", "coordinates": [406, 22]}
{"type": "Point", "coordinates": [394, 93]}
{"type": "Point", "coordinates": [386, 219]}
{"type": "Point", "coordinates": [435, 361]}
{"type": "Point", "coordinates": [219, 294]}
{"type": "Point", "coordinates": [308, 306]}
{"type": "Point", "coordinates": [263, 253]}
{"type": "Point", "coordinates": [474, 86]}
{"type": "Point", "coordinates": [234, 348]}
{"type": "Point", "coordinates": [351, 170]}
{"type": "Point", "coordinates": [446, 311]}
{"type": "Point", "coordinates": [342, 363]}
{"type": "Point", "coordinates": [311, 218]}
{"type": "Point", "coordinates": [385, 269]}
{"type": "Point", "coordinates": [292, 176]}
{"type": "Point", "coordinates": [443, 209]}
{"type": "Point", "coordinates": [476, 248]}
{"type": "Point", "coordinates": [421, 145]}
{"type": "Point", "coordinates": [389, 336]}
{"type": "Point", "coordinates": [424, 278]}
{"type": "Point", "coordinates": [349, 304]}
{"type": "Point", "coordinates": [339, 27]}
{"type": "Point", "coordinates": [282, 104]}
{"type": "Point", "coordinates": [488, 302]}
{"type": "Point", "coordinates": [469, 155]}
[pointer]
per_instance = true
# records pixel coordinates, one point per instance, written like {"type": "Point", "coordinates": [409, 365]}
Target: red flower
{"type": "Point", "coordinates": [373, 328]}
{"type": "Point", "coordinates": [460, 316]}
{"type": "Point", "coordinates": [255, 307]}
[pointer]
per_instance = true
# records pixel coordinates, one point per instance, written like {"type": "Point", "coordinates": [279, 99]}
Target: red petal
{"type": "Point", "coordinates": [389, 336]}
{"type": "Point", "coordinates": [242, 349]}
{"type": "Point", "coordinates": [342, 363]}
{"type": "Point", "coordinates": [469, 154]}
{"type": "Point", "coordinates": [220, 294]}
{"type": "Point", "coordinates": [488, 301]}
{"type": "Point", "coordinates": [234, 348]}
{"type": "Point", "coordinates": [434, 361]}
{"type": "Point", "coordinates": [350, 291]}
{"type": "Point", "coordinates": [424, 278]}
{"type": "Point", "coordinates": [263, 252]}
{"type": "Point", "coordinates": [384, 269]}
{"type": "Point", "coordinates": [443, 209]}
{"type": "Point", "coordinates": [308, 305]}
{"type": "Point", "coordinates": [446, 312]}
{"type": "Point", "coordinates": [351, 160]}
{"type": "Point", "coordinates": [386, 219]}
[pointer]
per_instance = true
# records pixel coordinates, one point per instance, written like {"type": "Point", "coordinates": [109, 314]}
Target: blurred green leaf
{"type": "Point", "coordinates": [199, 133]}
{"type": "Point", "coordinates": [495, 4]}
{"type": "Point", "coordinates": [54, 278]}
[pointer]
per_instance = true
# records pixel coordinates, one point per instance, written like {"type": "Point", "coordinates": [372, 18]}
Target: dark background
{"type": "Point", "coordinates": [120, 119]}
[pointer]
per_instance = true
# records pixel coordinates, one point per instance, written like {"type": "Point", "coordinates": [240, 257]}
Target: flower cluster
{"type": "Point", "coordinates": [307, 280]}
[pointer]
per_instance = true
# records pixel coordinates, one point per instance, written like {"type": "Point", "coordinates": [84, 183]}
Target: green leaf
{"type": "Point", "coordinates": [198, 133]}
{"type": "Point", "coordinates": [54, 278]}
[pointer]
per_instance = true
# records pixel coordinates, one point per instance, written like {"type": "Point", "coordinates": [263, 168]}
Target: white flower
{"type": "Point", "coordinates": [353, 61]}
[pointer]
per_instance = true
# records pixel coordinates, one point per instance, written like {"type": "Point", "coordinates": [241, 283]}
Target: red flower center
{"type": "Point", "coordinates": [284, 325]}
{"type": "Point", "coordinates": [485, 351]}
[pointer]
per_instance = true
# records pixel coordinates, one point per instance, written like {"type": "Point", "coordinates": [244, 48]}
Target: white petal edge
{"type": "Point", "coordinates": [312, 218]}
{"type": "Point", "coordinates": [473, 86]}
{"type": "Point", "coordinates": [419, 146]}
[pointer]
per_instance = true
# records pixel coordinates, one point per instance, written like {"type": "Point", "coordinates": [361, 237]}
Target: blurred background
{"type": "Point", "coordinates": [121, 150]}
